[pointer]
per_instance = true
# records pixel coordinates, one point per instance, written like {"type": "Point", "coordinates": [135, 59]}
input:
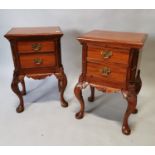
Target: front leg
{"type": "Point", "coordinates": [15, 88]}
{"type": "Point", "coordinates": [131, 98]}
{"type": "Point", "coordinates": [62, 83]}
{"type": "Point", "coordinates": [138, 82]}
{"type": "Point", "coordinates": [138, 85]}
{"type": "Point", "coordinates": [78, 93]}
{"type": "Point", "coordinates": [92, 96]}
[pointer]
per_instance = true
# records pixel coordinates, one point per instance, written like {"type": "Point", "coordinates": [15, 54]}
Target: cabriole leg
{"type": "Point", "coordinates": [138, 85]}
{"type": "Point", "coordinates": [15, 88]}
{"type": "Point", "coordinates": [78, 94]}
{"type": "Point", "coordinates": [131, 98]}
{"type": "Point", "coordinates": [62, 83]}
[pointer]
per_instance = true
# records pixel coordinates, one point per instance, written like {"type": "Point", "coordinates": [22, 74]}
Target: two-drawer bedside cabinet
{"type": "Point", "coordinates": [36, 54]}
{"type": "Point", "coordinates": [110, 63]}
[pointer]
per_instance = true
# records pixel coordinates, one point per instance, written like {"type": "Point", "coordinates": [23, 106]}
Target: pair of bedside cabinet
{"type": "Point", "coordinates": [110, 63]}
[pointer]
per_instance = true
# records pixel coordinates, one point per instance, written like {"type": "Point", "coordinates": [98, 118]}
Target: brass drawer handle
{"type": "Point", "coordinates": [105, 71]}
{"type": "Point", "coordinates": [106, 54]}
{"type": "Point", "coordinates": [37, 61]}
{"type": "Point", "coordinates": [36, 47]}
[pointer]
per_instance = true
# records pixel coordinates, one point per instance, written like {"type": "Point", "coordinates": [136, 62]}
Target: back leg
{"type": "Point", "coordinates": [92, 95]}
{"type": "Point", "coordinates": [23, 92]}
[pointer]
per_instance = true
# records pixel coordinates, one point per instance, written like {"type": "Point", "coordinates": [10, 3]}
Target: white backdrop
{"type": "Point", "coordinates": [73, 23]}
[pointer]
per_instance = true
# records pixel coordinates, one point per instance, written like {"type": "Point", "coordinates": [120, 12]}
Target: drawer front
{"type": "Point", "coordinates": [108, 55]}
{"type": "Point", "coordinates": [37, 60]}
{"type": "Point", "coordinates": [35, 46]}
{"type": "Point", "coordinates": [107, 73]}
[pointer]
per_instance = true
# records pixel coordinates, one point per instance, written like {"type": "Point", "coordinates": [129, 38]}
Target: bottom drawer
{"type": "Point", "coordinates": [37, 60]}
{"type": "Point", "coordinates": [106, 73]}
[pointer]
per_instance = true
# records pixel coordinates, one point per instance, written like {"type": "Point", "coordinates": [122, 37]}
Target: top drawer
{"type": "Point", "coordinates": [35, 46]}
{"type": "Point", "coordinates": [108, 55]}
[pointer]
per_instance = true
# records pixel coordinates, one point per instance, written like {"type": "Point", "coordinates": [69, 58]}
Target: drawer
{"type": "Point", "coordinates": [35, 46]}
{"type": "Point", "coordinates": [108, 55]}
{"type": "Point", "coordinates": [107, 73]}
{"type": "Point", "coordinates": [37, 60]}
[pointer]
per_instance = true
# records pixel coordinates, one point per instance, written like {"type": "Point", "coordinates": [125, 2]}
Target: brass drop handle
{"type": "Point", "coordinates": [37, 61]}
{"type": "Point", "coordinates": [106, 54]}
{"type": "Point", "coordinates": [105, 71]}
{"type": "Point", "coordinates": [36, 47]}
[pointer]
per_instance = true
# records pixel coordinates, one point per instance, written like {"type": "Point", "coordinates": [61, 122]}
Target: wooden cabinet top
{"type": "Point", "coordinates": [33, 31]}
{"type": "Point", "coordinates": [135, 39]}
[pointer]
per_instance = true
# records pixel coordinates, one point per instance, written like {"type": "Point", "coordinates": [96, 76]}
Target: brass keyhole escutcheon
{"type": "Point", "coordinates": [106, 54]}
{"type": "Point", "coordinates": [105, 71]}
{"type": "Point", "coordinates": [38, 61]}
{"type": "Point", "coordinates": [36, 47]}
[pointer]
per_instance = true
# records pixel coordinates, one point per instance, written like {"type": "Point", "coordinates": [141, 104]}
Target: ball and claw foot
{"type": "Point", "coordinates": [79, 115]}
{"type": "Point", "coordinates": [126, 130]}
{"type": "Point", "coordinates": [20, 109]}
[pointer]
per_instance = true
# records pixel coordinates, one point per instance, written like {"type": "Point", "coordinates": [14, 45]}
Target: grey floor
{"type": "Point", "coordinates": [45, 122]}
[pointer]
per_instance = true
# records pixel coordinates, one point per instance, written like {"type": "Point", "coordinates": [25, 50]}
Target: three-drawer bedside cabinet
{"type": "Point", "coordinates": [36, 54]}
{"type": "Point", "coordinates": [110, 63]}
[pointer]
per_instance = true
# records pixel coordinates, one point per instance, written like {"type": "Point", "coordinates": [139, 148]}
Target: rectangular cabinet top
{"type": "Point", "coordinates": [33, 31]}
{"type": "Point", "coordinates": [136, 39]}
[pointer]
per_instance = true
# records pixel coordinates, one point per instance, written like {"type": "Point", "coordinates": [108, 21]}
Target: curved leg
{"type": "Point", "coordinates": [138, 85]}
{"type": "Point", "coordinates": [15, 88]}
{"type": "Point", "coordinates": [138, 82]}
{"type": "Point", "coordinates": [131, 98]}
{"type": "Point", "coordinates": [78, 94]}
{"type": "Point", "coordinates": [62, 83]}
{"type": "Point", "coordinates": [23, 92]}
{"type": "Point", "coordinates": [91, 97]}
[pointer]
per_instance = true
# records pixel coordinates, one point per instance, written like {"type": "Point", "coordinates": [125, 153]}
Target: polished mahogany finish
{"type": "Point", "coordinates": [110, 63]}
{"type": "Point", "coordinates": [36, 54]}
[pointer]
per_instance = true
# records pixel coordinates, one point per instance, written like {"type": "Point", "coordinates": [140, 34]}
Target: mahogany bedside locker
{"type": "Point", "coordinates": [110, 63]}
{"type": "Point", "coordinates": [36, 54]}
